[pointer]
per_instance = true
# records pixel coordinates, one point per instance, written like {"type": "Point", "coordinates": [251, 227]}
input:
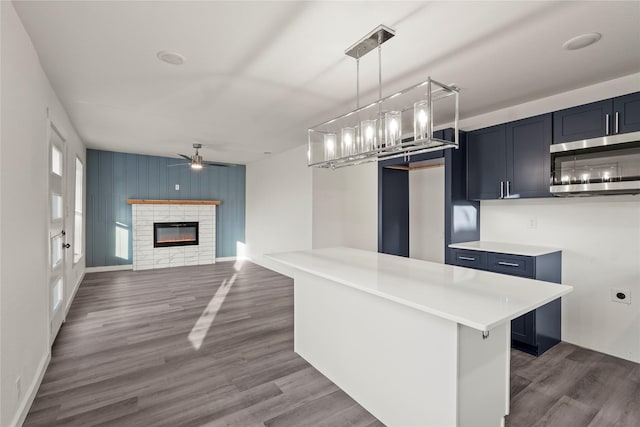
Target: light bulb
{"type": "Point", "coordinates": [422, 117]}
{"type": "Point", "coordinates": [393, 132]}
{"type": "Point", "coordinates": [421, 120]}
{"type": "Point", "coordinates": [369, 135]}
{"type": "Point", "coordinates": [348, 140]}
{"type": "Point", "coordinates": [329, 146]}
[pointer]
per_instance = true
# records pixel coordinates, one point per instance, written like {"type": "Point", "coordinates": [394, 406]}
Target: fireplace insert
{"type": "Point", "coordinates": [174, 234]}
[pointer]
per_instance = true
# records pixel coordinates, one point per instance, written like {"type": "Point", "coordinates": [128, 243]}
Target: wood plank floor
{"type": "Point", "coordinates": [213, 346]}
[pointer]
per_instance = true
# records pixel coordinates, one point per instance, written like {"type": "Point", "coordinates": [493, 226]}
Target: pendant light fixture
{"type": "Point", "coordinates": [395, 126]}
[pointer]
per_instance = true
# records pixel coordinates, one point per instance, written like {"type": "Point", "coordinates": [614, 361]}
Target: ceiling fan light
{"type": "Point", "coordinates": [196, 166]}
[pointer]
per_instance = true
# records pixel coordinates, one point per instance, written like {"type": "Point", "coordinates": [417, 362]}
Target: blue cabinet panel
{"type": "Point", "coordinates": [528, 168]}
{"type": "Point", "coordinates": [486, 163]}
{"type": "Point", "coordinates": [626, 113]}
{"type": "Point", "coordinates": [583, 122]}
{"type": "Point", "coordinates": [394, 218]}
{"type": "Point", "coordinates": [112, 178]}
{"type": "Point", "coordinates": [514, 265]}
{"type": "Point", "coordinates": [471, 259]}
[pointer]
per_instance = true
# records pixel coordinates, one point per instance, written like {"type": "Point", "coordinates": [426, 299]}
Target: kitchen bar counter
{"type": "Point", "coordinates": [474, 298]}
{"type": "Point", "coordinates": [415, 343]}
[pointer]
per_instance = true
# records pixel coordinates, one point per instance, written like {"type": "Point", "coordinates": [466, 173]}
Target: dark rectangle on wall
{"type": "Point", "coordinates": [112, 178]}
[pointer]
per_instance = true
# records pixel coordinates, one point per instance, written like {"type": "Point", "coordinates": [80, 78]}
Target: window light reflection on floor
{"type": "Point", "coordinates": [201, 328]}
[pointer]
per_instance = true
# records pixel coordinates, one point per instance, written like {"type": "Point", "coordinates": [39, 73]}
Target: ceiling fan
{"type": "Point", "coordinates": [196, 161]}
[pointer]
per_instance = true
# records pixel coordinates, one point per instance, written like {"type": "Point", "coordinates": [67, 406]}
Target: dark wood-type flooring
{"type": "Point", "coordinates": [213, 346]}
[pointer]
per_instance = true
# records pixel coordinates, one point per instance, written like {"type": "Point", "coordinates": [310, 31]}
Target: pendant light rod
{"type": "Point", "coordinates": [380, 41]}
{"type": "Point", "coordinates": [357, 83]}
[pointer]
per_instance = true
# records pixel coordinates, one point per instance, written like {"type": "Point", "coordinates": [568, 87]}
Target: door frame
{"type": "Point", "coordinates": [60, 313]}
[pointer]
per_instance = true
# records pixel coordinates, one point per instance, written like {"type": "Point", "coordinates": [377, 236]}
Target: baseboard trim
{"type": "Point", "coordinates": [23, 410]}
{"type": "Point", "coordinates": [226, 258]}
{"type": "Point", "coordinates": [73, 294]}
{"type": "Point", "coordinates": [109, 268]}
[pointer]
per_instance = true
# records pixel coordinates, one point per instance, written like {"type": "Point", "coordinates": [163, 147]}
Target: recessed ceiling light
{"type": "Point", "coordinates": [581, 41]}
{"type": "Point", "coordinates": [170, 57]}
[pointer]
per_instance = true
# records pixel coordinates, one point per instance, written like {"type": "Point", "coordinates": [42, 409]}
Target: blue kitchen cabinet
{"type": "Point", "coordinates": [510, 160]}
{"type": "Point", "coordinates": [583, 122]}
{"type": "Point", "coordinates": [486, 163]}
{"type": "Point", "coordinates": [536, 331]}
{"type": "Point", "coordinates": [626, 113]}
{"type": "Point", "coordinates": [596, 119]}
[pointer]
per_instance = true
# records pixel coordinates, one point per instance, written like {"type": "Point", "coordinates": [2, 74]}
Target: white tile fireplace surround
{"type": "Point", "coordinates": [147, 212]}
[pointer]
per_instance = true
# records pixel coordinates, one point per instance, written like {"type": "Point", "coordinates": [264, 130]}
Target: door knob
{"type": "Point", "coordinates": [66, 245]}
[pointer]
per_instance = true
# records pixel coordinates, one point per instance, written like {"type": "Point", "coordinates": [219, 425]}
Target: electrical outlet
{"type": "Point", "coordinates": [18, 387]}
{"type": "Point", "coordinates": [621, 295]}
{"type": "Point", "coordinates": [177, 187]}
{"type": "Point", "coordinates": [532, 223]}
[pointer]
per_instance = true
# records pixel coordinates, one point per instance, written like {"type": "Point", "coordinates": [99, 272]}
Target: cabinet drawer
{"type": "Point", "coordinates": [471, 259]}
{"type": "Point", "coordinates": [516, 265]}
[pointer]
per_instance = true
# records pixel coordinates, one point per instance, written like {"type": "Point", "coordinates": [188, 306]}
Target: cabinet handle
{"type": "Point", "coordinates": [617, 122]}
{"type": "Point", "coordinates": [508, 264]}
{"type": "Point", "coordinates": [502, 189]}
{"type": "Point", "coordinates": [508, 190]}
{"type": "Point", "coordinates": [467, 258]}
{"type": "Point", "coordinates": [607, 127]}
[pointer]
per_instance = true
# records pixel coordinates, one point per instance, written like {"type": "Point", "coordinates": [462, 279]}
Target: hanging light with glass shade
{"type": "Point", "coordinates": [398, 125]}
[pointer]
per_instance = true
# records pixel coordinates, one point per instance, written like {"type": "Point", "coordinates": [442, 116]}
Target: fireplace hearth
{"type": "Point", "coordinates": [166, 234]}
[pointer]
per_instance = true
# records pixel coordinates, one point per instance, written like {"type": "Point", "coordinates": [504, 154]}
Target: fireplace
{"type": "Point", "coordinates": [167, 234]}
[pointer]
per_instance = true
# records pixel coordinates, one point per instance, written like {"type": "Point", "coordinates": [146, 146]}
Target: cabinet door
{"type": "Point", "coordinates": [627, 113]}
{"type": "Point", "coordinates": [523, 328]}
{"type": "Point", "coordinates": [394, 222]}
{"type": "Point", "coordinates": [583, 122]}
{"type": "Point", "coordinates": [486, 162]}
{"type": "Point", "coordinates": [528, 169]}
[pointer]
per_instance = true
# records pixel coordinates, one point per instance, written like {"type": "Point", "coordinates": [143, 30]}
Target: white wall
{"type": "Point", "coordinates": [345, 207]}
{"type": "Point", "coordinates": [600, 242]}
{"type": "Point", "coordinates": [279, 211]}
{"type": "Point", "coordinates": [600, 238]}
{"type": "Point", "coordinates": [293, 207]}
{"type": "Point", "coordinates": [24, 298]}
{"type": "Point", "coordinates": [426, 214]}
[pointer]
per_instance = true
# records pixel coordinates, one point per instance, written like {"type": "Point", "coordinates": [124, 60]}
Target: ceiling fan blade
{"type": "Point", "coordinates": [207, 163]}
{"type": "Point", "coordinates": [183, 156]}
{"type": "Point", "coordinates": [178, 164]}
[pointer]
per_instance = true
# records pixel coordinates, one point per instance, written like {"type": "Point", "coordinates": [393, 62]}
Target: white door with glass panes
{"type": "Point", "coordinates": [57, 241]}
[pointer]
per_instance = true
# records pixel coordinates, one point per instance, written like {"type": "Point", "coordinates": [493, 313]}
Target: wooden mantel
{"type": "Point", "coordinates": [172, 202]}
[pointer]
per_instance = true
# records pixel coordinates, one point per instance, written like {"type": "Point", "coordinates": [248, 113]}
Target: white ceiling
{"type": "Point", "coordinates": [258, 74]}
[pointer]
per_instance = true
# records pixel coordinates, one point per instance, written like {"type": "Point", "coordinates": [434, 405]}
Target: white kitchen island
{"type": "Point", "coordinates": [416, 343]}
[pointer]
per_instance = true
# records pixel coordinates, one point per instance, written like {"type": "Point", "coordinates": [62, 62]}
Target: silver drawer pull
{"type": "Point", "coordinates": [467, 258]}
{"type": "Point", "coordinates": [508, 264]}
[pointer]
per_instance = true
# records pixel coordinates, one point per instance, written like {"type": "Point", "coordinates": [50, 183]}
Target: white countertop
{"type": "Point", "coordinates": [478, 299]}
{"type": "Point", "coordinates": [505, 248]}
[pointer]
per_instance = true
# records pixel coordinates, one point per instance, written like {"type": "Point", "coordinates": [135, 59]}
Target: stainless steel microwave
{"type": "Point", "coordinates": [606, 165]}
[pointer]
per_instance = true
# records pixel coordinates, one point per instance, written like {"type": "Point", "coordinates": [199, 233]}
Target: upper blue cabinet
{"type": "Point", "coordinates": [510, 160]}
{"type": "Point", "coordinates": [597, 119]}
{"type": "Point", "coordinates": [626, 113]}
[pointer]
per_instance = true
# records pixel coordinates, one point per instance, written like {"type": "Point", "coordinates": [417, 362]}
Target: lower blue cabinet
{"type": "Point", "coordinates": [539, 330]}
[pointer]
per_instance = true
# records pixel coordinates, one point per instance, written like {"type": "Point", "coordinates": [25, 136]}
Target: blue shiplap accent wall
{"type": "Point", "coordinates": [112, 178]}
